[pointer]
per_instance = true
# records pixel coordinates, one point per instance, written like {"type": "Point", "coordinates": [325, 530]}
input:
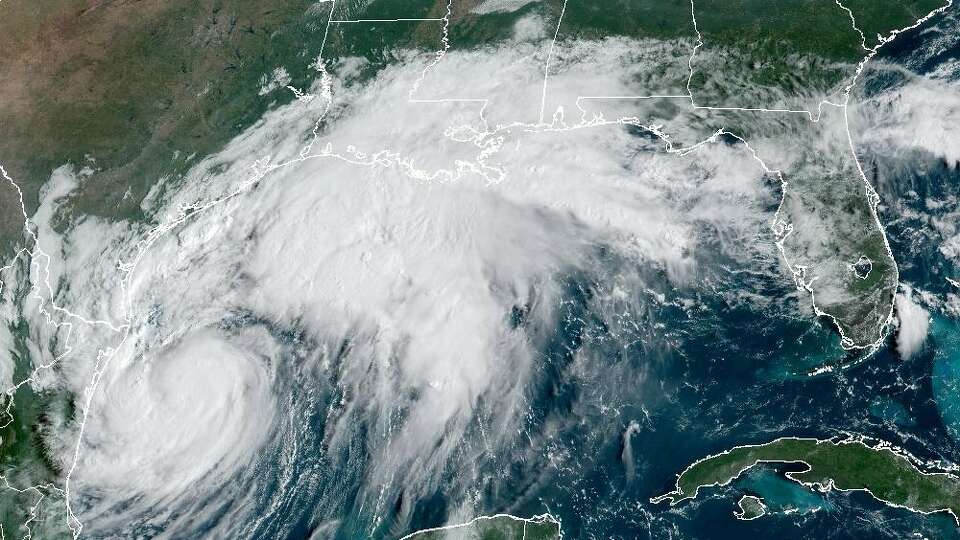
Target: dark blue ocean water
{"type": "Point", "coordinates": [699, 381]}
{"type": "Point", "coordinates": [695, 373]}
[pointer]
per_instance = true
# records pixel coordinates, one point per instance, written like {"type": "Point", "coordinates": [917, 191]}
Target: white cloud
{"type": "Point", "coordinates": [500, 6]}
{"type": "Point", "coordinates": [177, 415]}
{"type": "Point", "coordinates": [914, 324]}
{"type": "Point", "coordinates": [923, 114]}
{"type": "Point", "coordinates": [397, 248]}
{"type": "Point", "coordinates": [531, 27]}
{"type": "Point", "coordinates": [277, 79]}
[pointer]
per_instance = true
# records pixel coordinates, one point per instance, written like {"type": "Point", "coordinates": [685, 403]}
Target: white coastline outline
{"type": "Point", "coordinates": [741, 512]}
{"type": "Point", "coordinates": [676, 496]}
{"type": "Point", "coordinates": [539, 519]}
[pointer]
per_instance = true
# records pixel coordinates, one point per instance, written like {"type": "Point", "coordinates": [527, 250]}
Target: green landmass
{"type": "Point", "coordinates": [132, 89]}
{"type": "Point", "coordinates": [750, 508]}
{"type": "Point", "coordinates": [850, 464]}
{"type": "Point", "coordinates": [818, 28]}
{"type": "Point", "coordinates": [752, 49]}
{"type": "Point", "coordinates": [787, 54]}
{"type": "Point", "coordinates": [25, 459]}
{"type": "Point", "coordinates": [37, 512]}
{"type": "Point", "coordinates": [880, 18]}
{"type": "Point", "coordinates": [654, 19]}
{"type": "Point", "coordinates": [499, 527]}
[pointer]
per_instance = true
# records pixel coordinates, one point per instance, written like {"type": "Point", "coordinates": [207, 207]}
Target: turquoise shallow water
{"type": "Point", "coordinates": [782, 495]}
{"type": "Point", "coordinates": [946, 372]}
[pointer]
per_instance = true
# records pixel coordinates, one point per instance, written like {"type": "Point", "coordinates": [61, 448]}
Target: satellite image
{"type": "Point", "coordinates": [480, 269]}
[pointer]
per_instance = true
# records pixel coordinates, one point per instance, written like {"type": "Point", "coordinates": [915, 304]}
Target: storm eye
{"type": "Point", "coordinates": [862, 267]}
{"type": "Point", "coordinates": [518, 316]}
